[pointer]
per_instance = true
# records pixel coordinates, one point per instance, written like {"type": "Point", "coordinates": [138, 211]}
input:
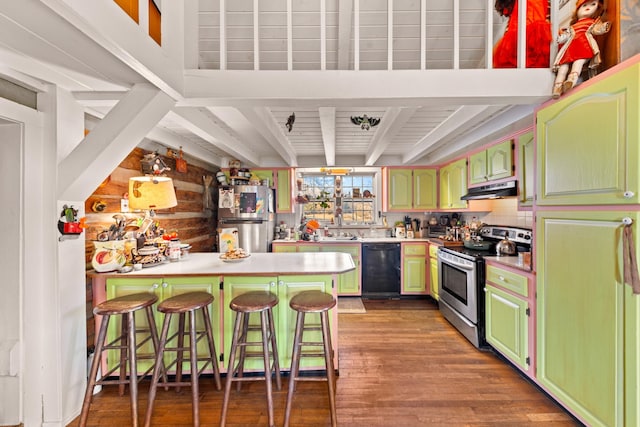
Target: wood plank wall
{"type": "Point", "coordinates": [194, 224]}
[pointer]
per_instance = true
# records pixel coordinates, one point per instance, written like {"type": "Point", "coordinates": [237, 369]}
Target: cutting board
{"type": "Point", "coordinates": [445, 242]}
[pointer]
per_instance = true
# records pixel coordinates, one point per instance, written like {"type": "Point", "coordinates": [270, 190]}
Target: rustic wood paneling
{"type": "Point", "coordinates": [194, 225]}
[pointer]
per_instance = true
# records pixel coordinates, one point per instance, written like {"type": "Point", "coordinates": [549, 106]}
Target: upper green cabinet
{"type": "Point", "coordinates": [453, 185]}
{"type": "Point", "coordinates": [587, 144]}
{"type": "Point", "coordinates": [411, 189]}
{"type": "Point", "coordinates": [526, 166]}
{"type": "Point", "coordinates": [284, 190]}
{"type": "Point", "coordinates": [496, 162]}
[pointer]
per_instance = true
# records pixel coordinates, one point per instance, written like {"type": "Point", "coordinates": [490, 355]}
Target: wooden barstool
{"type": "Point", "coordinates": [303, 303]}
{"type": "Point", "coordinates": [126, 306]}
{"type": "Point", "coordinates": [181, 305]}
{"type": "Point", "coordinates": [253, 302]}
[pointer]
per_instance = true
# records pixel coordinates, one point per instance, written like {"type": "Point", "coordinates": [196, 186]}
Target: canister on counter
{"type": "Point", "coordinates": [174, 250]}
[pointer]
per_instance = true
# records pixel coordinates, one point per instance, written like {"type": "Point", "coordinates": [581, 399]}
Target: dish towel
{"type": "Point", "coordinates": [630, 262]}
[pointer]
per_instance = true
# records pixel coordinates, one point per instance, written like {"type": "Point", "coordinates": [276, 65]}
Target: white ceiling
{"type": "Point", "coordinates": [434, 101]}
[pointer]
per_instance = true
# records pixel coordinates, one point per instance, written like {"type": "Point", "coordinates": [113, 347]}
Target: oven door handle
{"type": "Point", "coordinates": [455, 264]}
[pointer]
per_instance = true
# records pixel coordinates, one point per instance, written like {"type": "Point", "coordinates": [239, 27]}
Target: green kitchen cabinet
{"type": "Point", "coordinates": [414, 268]}
{"type": "Point", "coordinates": [411, 189]}
{"type": "Point", "coordinates": [496, 162]}
{"type": "Point", "coordinates": [163, 288]}
{"type": "Point", "coordinates": [588, 144]}
{"type": "Point", "coordinates": [507, 315]}
{"type": "Point", "coordinates": [526, 165]}
{"type": "Point", "coordinates": [284, 247]}
{"type": "Point", "coordinates": [284, 190]}
{"type": "Point", "coordinates": [453, 185]}
{"type": "Point", "coordinates": [350, 283]}
{"type": "Point", "coordinates": [285, 287]}
{"type": "Point", "coordinates": [263, 174]}
{"type": "Point", "coordinates": [588, 320]}
{"type": "Point", "coordinates": [433, 270]}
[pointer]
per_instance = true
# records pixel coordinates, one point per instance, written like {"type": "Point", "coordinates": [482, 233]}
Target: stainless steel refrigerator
{"type": "Point", "coordinates": [250, 210]}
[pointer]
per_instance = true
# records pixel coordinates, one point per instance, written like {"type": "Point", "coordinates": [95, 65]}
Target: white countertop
{"type": "Point", "coordinates": [358, 240]}
{"type": "Point", "coordinates": [205, 264]}
{"type": "Point", "coordinates": [510, 261]}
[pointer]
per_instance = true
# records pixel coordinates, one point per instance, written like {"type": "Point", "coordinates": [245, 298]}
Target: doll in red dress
{"type": "Point", "coordinates": [538, 35]}
{"type": "Point", "coordinates": [578, 45]}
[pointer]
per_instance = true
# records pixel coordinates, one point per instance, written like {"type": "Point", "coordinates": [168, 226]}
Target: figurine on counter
{"type": "Point", "coordinates": [578, 45]}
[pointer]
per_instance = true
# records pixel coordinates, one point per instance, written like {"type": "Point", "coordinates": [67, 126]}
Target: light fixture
{"type": "Point", "coordinates": [336, 171]}
{"type": "Point", "coordinates": [151, 193]}
{"type": "Point", "coordinates": [365, 122]}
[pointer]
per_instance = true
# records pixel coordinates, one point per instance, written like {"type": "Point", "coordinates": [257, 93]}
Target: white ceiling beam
{"type": "Point", "coordinates": [392, 122]}
{"type": "Point", "coordinates": [331, 87]}
{"type": "Point", "coordinates": [206, 125]}
{"type": "Point", "coordinates": [509, 121]}
{"type": "Point", "coordinates": [328, 127]}
{"type": "Point", "coordinates": [104, 24]}
{"type": "Point", "coordinates": [176, 142]}
{"type": "Point", "coordinates": [345, 17]}
{"type": "Point", "coordinates": [264, 122]}
{"type": "Point", "coordinates": [465, 115]}
{"type": "Point", "coordinates": [111, 141]}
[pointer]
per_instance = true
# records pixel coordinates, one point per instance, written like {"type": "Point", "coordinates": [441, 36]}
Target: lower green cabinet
{"type": "Point", "coordinates": [507, 325]}
{"type": "Point", "coordinates": [350, 282]}
{"type": "Point", "coordinates": [285, 287]}
{"type": "Point", "coordinates": [433, 271]}
{"type": "Point", "coordinates": [164, 288]}
{"type": "Point", "coordinates": [414, 268]}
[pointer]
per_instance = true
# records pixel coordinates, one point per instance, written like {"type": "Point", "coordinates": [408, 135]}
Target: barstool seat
{"type": "Point", "coordinates": [181, 305]}
{"type": "Point", "coordinates": [312, 302]}
{"type": "Point", "coordinates": [260, 302]}
{"type": "Point", "coordinates": [125, 306]}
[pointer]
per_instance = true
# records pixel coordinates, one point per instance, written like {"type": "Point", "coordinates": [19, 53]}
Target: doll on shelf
{"type": "Point", "coordinates": [538, 33]}
{"type": "Point", "coordinates": [578, 45]}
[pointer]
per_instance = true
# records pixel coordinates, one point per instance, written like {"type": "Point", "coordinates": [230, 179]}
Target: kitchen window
{"type": "Point", "coordinates": [328, 196]}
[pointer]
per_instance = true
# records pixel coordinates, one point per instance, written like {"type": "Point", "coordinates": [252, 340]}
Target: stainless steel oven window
{"type": "Point", "coordinates": [454, 281]}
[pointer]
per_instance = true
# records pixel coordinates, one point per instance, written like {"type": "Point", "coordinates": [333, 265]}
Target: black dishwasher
{"type": "Point", "coordinates": [381, 270]}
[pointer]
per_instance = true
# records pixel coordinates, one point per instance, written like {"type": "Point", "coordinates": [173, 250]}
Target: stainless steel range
{"type": "Point", "coordinates": [462, 276]}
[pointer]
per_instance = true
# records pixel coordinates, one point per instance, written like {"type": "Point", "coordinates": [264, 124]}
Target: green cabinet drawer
{"type": "Point", "coordinates": [433, 250]}
{"type": "Point", "coordinates": [279, 247]}
{"type": "Point", "coordinates": [353, 250]}
{"type": "Point", "coordinates": [414, 249]}
{"type": "Point", "coordinates": [508, 280]}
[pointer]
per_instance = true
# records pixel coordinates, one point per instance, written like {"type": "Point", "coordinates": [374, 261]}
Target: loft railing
{"type": "Point", "coordinates": [227, 28]}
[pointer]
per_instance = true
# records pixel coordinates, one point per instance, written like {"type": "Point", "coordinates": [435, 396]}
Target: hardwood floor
{"type": "Point", "coordinates": [401, 364]}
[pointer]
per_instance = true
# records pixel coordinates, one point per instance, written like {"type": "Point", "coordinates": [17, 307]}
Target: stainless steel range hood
{"type": "Point", "coordinates": [492, 191]}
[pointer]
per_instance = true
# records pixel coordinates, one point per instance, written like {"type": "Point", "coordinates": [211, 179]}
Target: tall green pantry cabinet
{"type": "Point", "coordinates": [588, 320]}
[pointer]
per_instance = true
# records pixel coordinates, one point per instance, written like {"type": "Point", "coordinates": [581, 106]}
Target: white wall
{"type": "Point", "coordinates": [50, 311]}
{"type": "Point", "coordinates": [10, 313]}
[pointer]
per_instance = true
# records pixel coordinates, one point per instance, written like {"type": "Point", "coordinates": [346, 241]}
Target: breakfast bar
{"type": "Point", "coordinates": [283, 274]}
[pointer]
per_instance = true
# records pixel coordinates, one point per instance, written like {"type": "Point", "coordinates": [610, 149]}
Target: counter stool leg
{"type": "Point", "coordinates": [331, 373]}
{"type": "Point", "coordinates": [93, 373]}
{"type": "Point", "coordinates": [180, 352]}
{"type": "Point", "coordinates": [133, 367]}
{"type": "Point", "coordinates": [244, 337]}
{"type": "Point", "coordinates": [156, 341]}
{"type": "Point", "coordinates": [124, 344]}
{"type": "Point", "coordinates": [156, 369]}
{"type": "Point", "coordinates": [212, 347]}
{"type": "Point", "coordinates": [230, 369]}
{"type": "Point", "coordinates": [266, 339]}
{"type": "Point", "coordinates": [274, 349]}
{"type": "Point", "coordinates": [295, 365]}
{"type": "Point", "coordinates": [193, 354]}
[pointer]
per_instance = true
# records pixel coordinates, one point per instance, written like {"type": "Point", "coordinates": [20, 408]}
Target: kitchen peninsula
{"type": "Point", "coordinates": [283, 274]}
